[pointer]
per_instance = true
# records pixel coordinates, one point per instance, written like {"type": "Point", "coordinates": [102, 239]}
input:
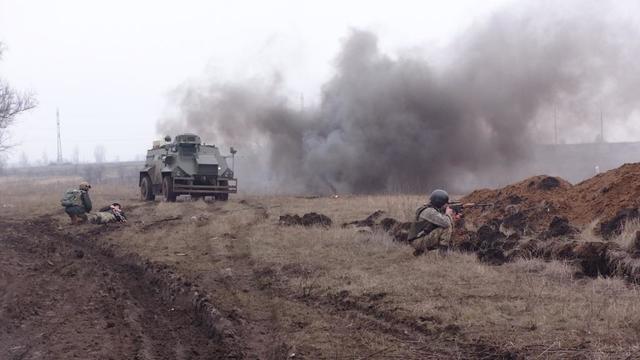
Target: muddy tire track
{"type": "Point", "coordinates": [61, 300]}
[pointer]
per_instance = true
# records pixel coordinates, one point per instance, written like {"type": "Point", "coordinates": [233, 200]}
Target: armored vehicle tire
{"type": "Point", "coordinates": [146, 191]}
{"type": "Point", "coordinates": [167, 189]}
{"type": "Point", "coordinates": [223, 197]}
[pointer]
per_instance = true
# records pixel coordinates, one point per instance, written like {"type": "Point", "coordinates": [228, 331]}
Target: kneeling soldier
{"type": "Point", "coordinates": [433, 224]}
{"type": "Point", "coordinates": [77, 203]}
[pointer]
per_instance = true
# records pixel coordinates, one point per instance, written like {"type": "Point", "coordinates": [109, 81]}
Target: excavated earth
{"type": "Point", "coordinates": [541, 198]}
{"type": "Point", "coordinates": [547, 217]}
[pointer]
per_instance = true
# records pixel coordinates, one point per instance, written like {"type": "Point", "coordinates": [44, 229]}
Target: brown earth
{"type": "Point", "coordinates": [547, 217]}
{"type": "Point", "coordinates": [308, 219]}
{"type": "Point", "coordinates": [62, 300]}
{"type": "Point", "coordinates": [599, 198]}
{"type": "Point", "coordinates": [223, 280]}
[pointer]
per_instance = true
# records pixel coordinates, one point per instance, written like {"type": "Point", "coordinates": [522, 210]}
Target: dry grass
{"type": "Point", "coordinates": [24, 196]}
{"type": "Point", "coordinates": [628, 235]}
{"type": "Point", "coordinates": [528, 304]}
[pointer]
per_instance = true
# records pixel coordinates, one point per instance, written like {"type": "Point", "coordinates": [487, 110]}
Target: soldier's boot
{"type": "Point", "coordinates": [74, 219]}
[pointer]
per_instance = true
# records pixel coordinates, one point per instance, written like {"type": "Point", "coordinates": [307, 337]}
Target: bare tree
{"type": "Point", "coordinates": [100, 153]}
{"type": "Point", "coordinates": [12, 103]}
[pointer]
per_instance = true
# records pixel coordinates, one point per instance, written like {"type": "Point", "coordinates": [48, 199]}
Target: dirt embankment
{"type": "Point", "coordinates": [541, 198]}
{"type": "Point", "coordinates": [547, 217]}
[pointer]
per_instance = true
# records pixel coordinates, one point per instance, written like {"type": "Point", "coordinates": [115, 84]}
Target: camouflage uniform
{"type": "Point", "coordinates": [101, 217]}
{"type": "Point", "coordinates": [78, 213]}
{"type": "Point", "coordinates": [440, 236]}
{"type": "Point", "coordinates": [108, 214]}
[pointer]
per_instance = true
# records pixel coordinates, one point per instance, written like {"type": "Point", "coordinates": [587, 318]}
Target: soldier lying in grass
{"type": "Point", "coordinates": [108, 214]}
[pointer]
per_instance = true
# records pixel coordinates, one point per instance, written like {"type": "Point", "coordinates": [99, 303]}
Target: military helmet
{"type": "Point", "coordinates": [438, 198]}
{"type": "Point", "coordinates": [84, 186]}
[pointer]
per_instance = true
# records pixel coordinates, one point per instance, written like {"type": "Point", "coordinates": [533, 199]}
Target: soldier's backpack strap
{"type": "Point", "coordinates": [420, 210]}
{"type": "Point", "coordinates": [420, 227]}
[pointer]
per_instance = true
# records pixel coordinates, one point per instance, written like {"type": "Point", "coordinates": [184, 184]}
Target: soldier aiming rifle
{"type": "Point", "coordinates": [434, 221]}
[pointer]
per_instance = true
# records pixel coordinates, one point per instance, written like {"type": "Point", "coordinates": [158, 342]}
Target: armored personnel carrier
{"type": "Point", "coordinates": [186, 166]}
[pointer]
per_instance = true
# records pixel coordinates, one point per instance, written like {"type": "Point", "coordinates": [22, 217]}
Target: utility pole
{"type": "Point", "coordinates": [59, 159]}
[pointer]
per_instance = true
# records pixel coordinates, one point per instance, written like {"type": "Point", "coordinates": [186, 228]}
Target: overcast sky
{"type": "Point", "coordinates": [110, 66]}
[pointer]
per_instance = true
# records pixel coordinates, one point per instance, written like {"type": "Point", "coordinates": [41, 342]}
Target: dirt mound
{"type": "Point", "coordinates": [529, 205]}
{"type": "Point", "coordinates": [614, 226]}
{"type": "Point", "coordinates": [368, 221]}
{"type": "Point", "coordinates": [603, 195]}
{"type": "Point", "coordinates": [398, 230]}
{"type": "Point", "coordinates": [309, 219]}
{"type": "Point", "coordinates": [560, 226]}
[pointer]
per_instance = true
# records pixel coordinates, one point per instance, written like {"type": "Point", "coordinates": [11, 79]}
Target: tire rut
{"type": "Point", "coordinates": [66, 300]}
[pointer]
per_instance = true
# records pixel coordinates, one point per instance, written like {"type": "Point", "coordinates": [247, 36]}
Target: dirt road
{"type": "Point", "coordinates": [59, 300]}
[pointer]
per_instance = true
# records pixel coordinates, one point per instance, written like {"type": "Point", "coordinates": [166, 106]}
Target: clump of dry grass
{"type": "Point", "coordinates": [627, 237]}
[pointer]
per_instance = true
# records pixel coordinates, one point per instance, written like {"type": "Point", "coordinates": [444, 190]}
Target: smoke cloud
{"type": "Point", "coordinates": [402, 124]}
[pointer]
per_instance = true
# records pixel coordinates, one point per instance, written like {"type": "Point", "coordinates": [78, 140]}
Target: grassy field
{"type": "Point", "coordinates": [339, 293]}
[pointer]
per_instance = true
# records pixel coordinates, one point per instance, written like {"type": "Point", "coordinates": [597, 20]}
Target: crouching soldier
{"type": "Point", "coordinates": [77, 203]}
{"type": "Point", "coordinates": [433, 224]}
{"type": "Point", "coordinates": [108, 214]}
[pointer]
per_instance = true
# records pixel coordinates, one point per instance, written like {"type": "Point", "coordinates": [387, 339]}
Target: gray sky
{"type": "Point", "coordinates": [110, 66]}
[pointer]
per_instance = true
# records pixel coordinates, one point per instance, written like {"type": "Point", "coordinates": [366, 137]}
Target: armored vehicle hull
{"type": "Point", "coordinates": [186, 167]}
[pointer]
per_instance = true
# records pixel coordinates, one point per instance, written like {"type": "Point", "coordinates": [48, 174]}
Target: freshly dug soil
{"type": "Point", "coordinates": [540, 199]}
{"type": "Point", "coordinates": [542, 217]}
{"type": "Point", "coordinates": [309, 219]}
{"type": "Point", "coordinates": [528, 206]}
{"type": "Point", "coordinates": [368, 221]}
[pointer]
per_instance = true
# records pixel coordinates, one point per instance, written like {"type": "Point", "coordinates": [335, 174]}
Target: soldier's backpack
{"type": "Point", "coordinates": [72, 197]}
{"type": "Point", "coordinates": [420, 227]}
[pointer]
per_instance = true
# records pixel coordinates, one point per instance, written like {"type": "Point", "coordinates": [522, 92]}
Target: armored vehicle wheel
{"type": "Point", "coordinates": [167, 189]}
{"type": "Point", "coordinates": [225, 196]}
{"type": "Point", "coordinates": [146, 192]}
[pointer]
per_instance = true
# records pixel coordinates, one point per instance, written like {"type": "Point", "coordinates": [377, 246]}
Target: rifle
{"type": "Point", "coordinates": [459, 207]}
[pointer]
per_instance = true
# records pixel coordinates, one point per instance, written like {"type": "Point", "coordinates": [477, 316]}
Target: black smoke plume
{"type": "Point", "coordinates": [401, 124]}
